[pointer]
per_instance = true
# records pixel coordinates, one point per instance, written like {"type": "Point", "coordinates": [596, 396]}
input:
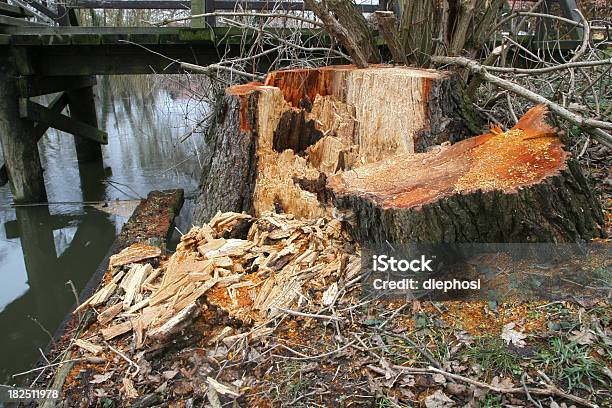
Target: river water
{"type": "Point", "coordinates": [43, 247]}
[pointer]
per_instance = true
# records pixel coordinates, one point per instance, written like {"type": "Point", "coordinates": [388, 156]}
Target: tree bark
{"type": "Point", "coordinates": [272, 147]}
{"type": "Point", "coordinates": [518, 186]}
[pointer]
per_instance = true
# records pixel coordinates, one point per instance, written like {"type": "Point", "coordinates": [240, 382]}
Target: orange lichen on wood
{"type": "Point", "coordinates": [243, 92]}
{"type": "Point", "coordinates": [524, 155]}
{"type": "Point", "coordinates": [298, 84]}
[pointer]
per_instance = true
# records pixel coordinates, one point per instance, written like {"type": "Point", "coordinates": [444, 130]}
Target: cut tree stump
{"type": "Point", "coordinates": [370, 146]}
{"type": "Point", "coordinates": [273, 145]}
{"type": "Point", "coordinates": [514, 186]}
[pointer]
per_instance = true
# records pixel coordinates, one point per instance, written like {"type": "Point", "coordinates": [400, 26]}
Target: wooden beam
{"type": "Point", "coordinates": [83, 109]}
{"type": "Point", "coordinates": [57, 105]}
{"type": "Point", "coordinates": [14, 21]}
{"type": "Point", "coordinates": [14, 11]}
{"type": "Point", "coordinates": [35, 112]}
{"type": "Point", "coordinates": [42, 85]}
{"type": "Point", "coordinates": [44, 10]}
{"type": "Point", "coordinates": [132, 4]}
{"type": "Point", "coordinates": [18, 141]}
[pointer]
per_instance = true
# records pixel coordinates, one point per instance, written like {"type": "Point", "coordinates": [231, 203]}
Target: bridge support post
{"type": "Point", "coordinates": [18, 140]}
{"type": "Point", "coordinates": [83, 108]}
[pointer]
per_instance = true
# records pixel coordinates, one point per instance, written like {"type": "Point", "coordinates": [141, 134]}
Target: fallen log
{"type": "Point", "coordinates": [273, 144]}
{"type": "Point", "coordinates": [514, 186]}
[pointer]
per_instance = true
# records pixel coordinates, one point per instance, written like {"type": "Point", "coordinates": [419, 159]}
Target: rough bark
{"type": "Point", "coordinates": [273, 146]}
{"type": "Point", "coordinates": [518, 186]}
{"type": "Point", "coordinates": [228, 174]}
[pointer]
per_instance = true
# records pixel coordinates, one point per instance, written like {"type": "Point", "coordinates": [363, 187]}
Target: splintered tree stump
{"type": "Point", "coordinates": [514, 186]}
{"type": "Point", "coordinates": [273, 145]}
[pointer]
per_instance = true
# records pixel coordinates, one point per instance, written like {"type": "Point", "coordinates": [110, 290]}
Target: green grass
{"type": "Point", "coordinates": [492, 354]}
{"type": "Point", "coordinates": [491, 401]}
{"type": "Point", "coordinates": [571, 364]}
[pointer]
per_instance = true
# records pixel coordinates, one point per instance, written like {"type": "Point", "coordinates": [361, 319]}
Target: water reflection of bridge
{"type": "Point", "coordinates": [47, 272]}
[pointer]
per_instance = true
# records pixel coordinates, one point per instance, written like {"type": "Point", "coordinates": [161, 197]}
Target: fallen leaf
{"type": "Point", "coordinates": [439, 400]}
{"type": "Point", "coordinates": [511, 336]}
{"type": "Point", "coordinates": [100, 378]}
{"type": "Point", "coordinates": [582, 337]}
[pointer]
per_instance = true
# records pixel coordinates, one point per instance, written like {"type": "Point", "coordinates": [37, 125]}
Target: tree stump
{"type": "Point", "coordinates": [273, 145]}
{"type": "Point", "coordinates": [514, 186]}
{"type": "Point", "coordinates": [368, 142]}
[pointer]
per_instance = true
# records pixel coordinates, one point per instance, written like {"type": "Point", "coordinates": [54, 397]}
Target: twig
{"type": "Point", "coordinates": [74, 292]}
{"type": "Point", "coordinates": [45, 367]}
{"type": "Point", "coordinates": [549, 390]}
{"type": "Point", "coordinates": [314, 316]}
{"type": "Point", "coordinates": [123, 356]}
{"type": "Point", "coordinates": [578, 64]}
{"type": "Point", "coordinates": [421, 350]}
{"type": "Point", "coordinates": [594, 127]}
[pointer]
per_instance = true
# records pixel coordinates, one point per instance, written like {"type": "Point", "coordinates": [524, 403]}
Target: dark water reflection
{"type": "Point", "coordinates": [43, 247]}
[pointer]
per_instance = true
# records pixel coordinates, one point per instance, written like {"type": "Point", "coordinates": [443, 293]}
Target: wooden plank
{"type": "Point", "coordinates": [14, 11]}
{"type": "Point", "coordinates": [132, 4]}
{"type": "Point", "coordinates": [43, 85]}
{"type": "Point", "coordinates": [26, 40]}
{"type": "Point", "coordinates": [152, 38]}
{"type": "Point", "coordinates": [14, 21]}
{"type": "Point", "coordinates": [38, 113]}
{"type": "Point", "coordinates": [86, 39]}
{"type": "Point", "coordinates": [5, 39]}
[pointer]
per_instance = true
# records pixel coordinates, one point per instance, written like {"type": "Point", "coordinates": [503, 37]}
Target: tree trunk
{"type": "Point", "coordinates": [368, 142]}
{"type": "Point", "coordinates": [273, 146]}
{"type": "Point", "coordinates": [517, 186]}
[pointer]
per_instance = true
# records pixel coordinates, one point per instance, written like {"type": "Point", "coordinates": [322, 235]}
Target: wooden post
{"type": "Point", "coordinates": [18, 140]}
{"type": "Point", "coordinates": [83, 108]}
{"type": "Point", "coordinates": [197, 7]}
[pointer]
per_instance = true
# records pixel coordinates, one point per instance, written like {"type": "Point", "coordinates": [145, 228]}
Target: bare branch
{"type": "Point", "coordinates": [594, 127]}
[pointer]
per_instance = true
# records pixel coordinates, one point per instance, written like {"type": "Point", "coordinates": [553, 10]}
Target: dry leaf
{"type": "Point", "coordinates": [511, 336]}
{"type": "Point", "coordinates": [439, 400]}
{"type": "Point", "coordinates": [100, 378]}
{"type": "Point", "coordinates": [582, 337]}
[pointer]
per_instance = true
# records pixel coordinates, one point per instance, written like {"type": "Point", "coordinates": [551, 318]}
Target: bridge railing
{"type": "Point", "coordinates": [197, 7]}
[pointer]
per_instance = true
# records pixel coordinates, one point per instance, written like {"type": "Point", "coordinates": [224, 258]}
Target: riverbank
{"type": "Point", "coordinates": [151, 223]}
{"type": "Point", "coordinates": [269, 311]}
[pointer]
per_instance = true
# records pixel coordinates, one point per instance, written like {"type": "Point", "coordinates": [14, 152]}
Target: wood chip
{"type": "Point", "coordinates": [138, 276]}
{"type": "Point", "coordinates": [88, 346]}
{"type": "Point", "coordinates": [128, 388]}
{"type": "Point", "coordinates": [134, 253]}
{"type": "Point", "coordinates": [109, 313]}
{"type": "Point", "coordinates": [116, 330]}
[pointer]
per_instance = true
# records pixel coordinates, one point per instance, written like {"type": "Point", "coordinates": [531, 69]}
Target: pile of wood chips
{"type": "Point", "coordinates": [254, 269]}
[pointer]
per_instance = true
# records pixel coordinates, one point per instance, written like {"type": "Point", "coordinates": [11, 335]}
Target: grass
{"type": "Point", "coordinates": [572, 364]}
{"type": "Point", "coordinates": [492, 354]}
{"type": "Point", "coordinates": [491, 401]}
{"type": "Point", "coordinates": [292, 385]}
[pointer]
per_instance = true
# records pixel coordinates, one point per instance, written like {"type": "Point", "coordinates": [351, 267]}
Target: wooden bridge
{"type": "Point", "coordinates": [63, 58]}
{"type": "Point", "coordinates": [60, 57]}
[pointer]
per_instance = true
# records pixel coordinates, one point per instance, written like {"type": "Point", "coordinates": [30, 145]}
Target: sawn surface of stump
{"type": "Point", "coordinates": [273, 145]}
{"type": "Point", "coordinates": [514, 186]}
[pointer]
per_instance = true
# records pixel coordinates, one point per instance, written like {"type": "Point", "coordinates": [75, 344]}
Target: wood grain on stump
{"type": "Point", "coordinates": [514, 186]}
{"type": "Point", "coordinates": [273, 145]}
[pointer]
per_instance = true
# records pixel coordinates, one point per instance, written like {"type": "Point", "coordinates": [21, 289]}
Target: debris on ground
{"type": "Point", "coordinates": [268, 311]}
